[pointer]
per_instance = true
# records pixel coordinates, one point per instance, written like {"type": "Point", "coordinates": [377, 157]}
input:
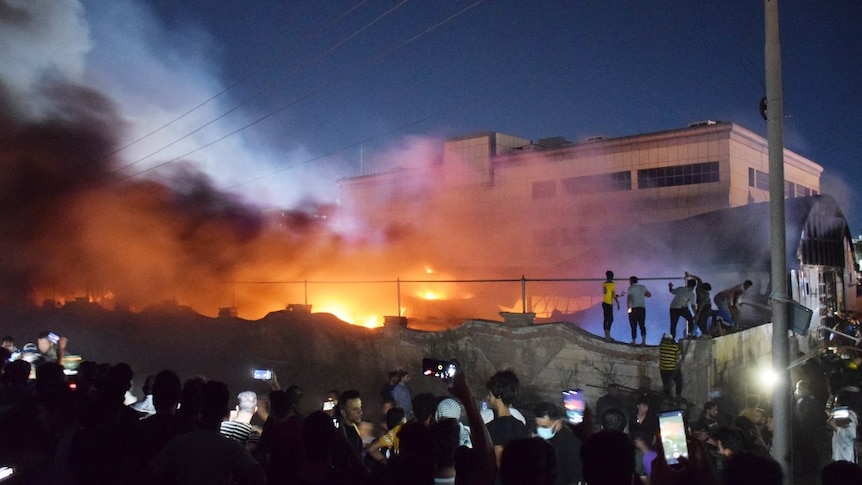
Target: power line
{"type": "Point", "coordinates": [323, 87]}
{"type": "Point", "coordinates": [266, 64]}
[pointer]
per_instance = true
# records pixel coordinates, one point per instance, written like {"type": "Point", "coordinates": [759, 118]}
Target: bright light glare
{"type": "Point", "coordinates": [371, 322]}
{"type": "Point", "coordinates": [767, 377]}
{"type": "Point", "coordinates": [349, 315]}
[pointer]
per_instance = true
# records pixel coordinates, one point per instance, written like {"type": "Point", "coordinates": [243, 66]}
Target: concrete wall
{"type": "Point", "coordinates": [554, 357]}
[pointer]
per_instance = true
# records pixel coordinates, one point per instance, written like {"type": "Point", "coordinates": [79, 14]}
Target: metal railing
{"type": "Point", "coordinates": [484, 298]}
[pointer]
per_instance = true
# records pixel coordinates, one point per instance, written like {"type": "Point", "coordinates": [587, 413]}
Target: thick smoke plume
{"type": "Point", "coordinates": [73, 228]}
{"type": "Point", "coordinates": [76, 225]}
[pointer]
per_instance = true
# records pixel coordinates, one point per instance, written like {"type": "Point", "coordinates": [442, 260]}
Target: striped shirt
{"type": "Point", "coordinates": [668, 354]}
{"type": "Point", "coordinates": [241, 432]}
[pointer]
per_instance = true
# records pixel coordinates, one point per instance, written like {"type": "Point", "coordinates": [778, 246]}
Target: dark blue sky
{"type": "Point", "coordinates": [329, 78]}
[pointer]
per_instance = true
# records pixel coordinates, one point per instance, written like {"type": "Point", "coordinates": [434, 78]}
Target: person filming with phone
{"type": "Point", "coordinates": [51, 347]}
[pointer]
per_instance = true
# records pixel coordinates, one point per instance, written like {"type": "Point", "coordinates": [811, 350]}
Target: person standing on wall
{"type": "Point", "coordinates": [609, 296]}
{"type": "Point", "coordinates": [683, 298]}
{"type": "Point", "coordinates": [637, 308]}
{"type": "Point", "coordinates": [703, 305]}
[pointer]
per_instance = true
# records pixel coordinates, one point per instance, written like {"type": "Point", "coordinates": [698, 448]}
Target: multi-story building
{"type": "Point", "coordinates": [542, 204]}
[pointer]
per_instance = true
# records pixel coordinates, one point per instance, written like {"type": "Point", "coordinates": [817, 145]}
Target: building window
{"type": "Point", "coordinates": [593, 184]}
{"type": "Point", "coordinates": [802, 191]}
{"type": "Point", "coordinates": [760, 180]}
{"type": "Point", "coordinates": [696, 173]}
{"type": "Point", "coordinates": [789, 190]}
{"type": "Point", "coordinates": [544, 189]}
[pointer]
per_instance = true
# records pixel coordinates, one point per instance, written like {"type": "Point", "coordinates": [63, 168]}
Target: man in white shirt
{"type": "Point", "coordinates": [636, 302]}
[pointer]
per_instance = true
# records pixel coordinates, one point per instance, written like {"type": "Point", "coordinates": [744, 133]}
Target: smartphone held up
{"type": "Point", "coordinates": [574, 405]}
{"type": "Point", "coordinates": [841, 412]}
{"type": "Point", "coordinates": [262, 374]}
{"type": "Point", "coordinates": [441, 369]}
{"type": "Point", "coordinates": [673, 435]}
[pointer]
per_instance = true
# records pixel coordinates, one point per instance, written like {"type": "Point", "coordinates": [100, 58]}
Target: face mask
{"type": "Point", "coordinates": [545, 433]}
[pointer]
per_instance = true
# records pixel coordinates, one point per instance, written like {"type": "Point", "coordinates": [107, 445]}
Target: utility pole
{"type": "Point", "coordinates": [782, 412]}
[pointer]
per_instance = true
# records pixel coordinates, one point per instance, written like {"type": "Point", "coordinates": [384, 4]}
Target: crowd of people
{"type": "Point", "coordinates": [84, 429]}
{"type": "Point", "coordinates": [91, 429]}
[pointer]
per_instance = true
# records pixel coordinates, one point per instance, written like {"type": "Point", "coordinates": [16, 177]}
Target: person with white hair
{"type": "Point", "coordinates": [239, 427]}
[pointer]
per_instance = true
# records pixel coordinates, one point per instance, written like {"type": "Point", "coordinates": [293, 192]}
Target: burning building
{"type": "Point", "coordinates": [653, 204]}
{"type": "Point", "coordinates": [545, 203]}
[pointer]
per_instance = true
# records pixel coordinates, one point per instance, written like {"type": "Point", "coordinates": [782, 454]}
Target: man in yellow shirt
{"type": "Point", "coordinates": [609, 296]}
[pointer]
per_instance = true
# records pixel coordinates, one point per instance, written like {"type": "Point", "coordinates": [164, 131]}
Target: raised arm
{"type": "Point", "coordinates": [484, 461]}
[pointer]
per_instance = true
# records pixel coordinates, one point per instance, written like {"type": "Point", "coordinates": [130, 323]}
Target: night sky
{"type": "Point", "coordinates": [284, 98]}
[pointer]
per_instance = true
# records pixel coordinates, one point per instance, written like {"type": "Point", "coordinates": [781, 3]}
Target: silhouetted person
{"type": "Point", "coordinates": [808, 430]}
{"type": "Point", "coordinates": [728, 441]}
{"type": "Point", "coordinates": [190, 400]}
{"type": "Point", "coordinates": [424, 406]}
{"type": "Point", "coordinates": [841, 472]}
{"type": "Point", "coordinates": [608, 458]}
{"type": "Point", "coordinates": [280, 442]}
{"type": "Point", "coordinates": [414, 464]}
{"type": "Point", "coordinates": [99, 448]}
{"type": "Point", "coordinates": [751, 469]}
{"type": "Point", "coordinates": [613, 420]}
{"type": "Point", "coordinates": [611, 400]}
{"type": "Point", "coordinates": [16, 377]}
{"type": "Point", "coordinates": [294, 395]}
{"type": "Point", "coordinates": [8, 343]}
{"type": "Point", "coordinates": [445, 441]}
{"type": "Point", "coordinates": [49, 378]}
{"type": "Point", "coordinates": [320, 440]}
{"type": "Point", "coordinates": [150, 435]}
{"type": "Point", "coordinates": [85, 379]}
{"type": "Point", "coordinates": [528, 460]}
